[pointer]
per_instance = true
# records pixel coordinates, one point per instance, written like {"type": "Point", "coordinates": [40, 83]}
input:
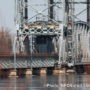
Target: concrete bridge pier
{"type": "Point", "coordinates": [43, 71]}
{"type": "Point", "coordinates": [58, 71]}
{"type": "Point", "coordinates": [13, 72]}
{"type": "Point", "coordinates": [28, 72]}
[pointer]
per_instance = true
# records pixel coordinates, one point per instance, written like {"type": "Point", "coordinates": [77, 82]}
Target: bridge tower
{"type": "Point", "coordinates": [21, 22]}
{"type": "Point", "coordinates": [70, 32]}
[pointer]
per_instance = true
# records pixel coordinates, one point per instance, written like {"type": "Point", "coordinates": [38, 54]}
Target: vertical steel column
{"type": "Point", "coordinates": [26, 11]}
{"type": "Point", "coordinates": [50, 10]}
{"type": "Point", "coordinates": [70, 31]}
{"type": "Point", "coordinates": [21, 14]}
{"type": "Point", "coordinates": [88, 12]}
{"type": "Point", "coordinates": [21, 9]}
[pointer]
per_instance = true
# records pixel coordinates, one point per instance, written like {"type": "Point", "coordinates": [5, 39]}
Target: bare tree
{"type": "Point", "coordinates": [5, 41]}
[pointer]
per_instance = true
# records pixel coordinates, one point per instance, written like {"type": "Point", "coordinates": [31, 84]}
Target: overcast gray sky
{"type": "Point", "coordinates": [7, 12]}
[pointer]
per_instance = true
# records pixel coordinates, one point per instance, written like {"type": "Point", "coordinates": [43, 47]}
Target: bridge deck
{"type": "Point", "coordinates": [25, 61]}
{"type": "Point", "coordinates": [82, 63]}
{"type": "Point", "coordinates": [34, 61]}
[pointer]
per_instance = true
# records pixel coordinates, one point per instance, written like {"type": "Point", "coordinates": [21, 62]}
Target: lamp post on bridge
{"type": "Point", "coordinates": [14, 72]}
{"type": "Point", "coordinates": [14, 50]}
{"type": "Point", "coordinates": [31, 50]}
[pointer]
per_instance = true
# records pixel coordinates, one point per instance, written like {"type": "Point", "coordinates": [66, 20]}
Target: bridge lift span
{"type": "Point", "coordinates": [40, 33]}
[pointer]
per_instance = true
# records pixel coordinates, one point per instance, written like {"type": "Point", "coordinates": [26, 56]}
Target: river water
{"type": "Point", "coordinates": [50, 82]}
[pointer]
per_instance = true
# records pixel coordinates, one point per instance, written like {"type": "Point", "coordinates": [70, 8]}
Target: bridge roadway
{"type": "Point", "coordinates": [25, 61]}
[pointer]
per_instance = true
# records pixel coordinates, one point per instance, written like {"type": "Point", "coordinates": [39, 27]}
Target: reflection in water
{"type": "Point", "coordinates": [61, 82]}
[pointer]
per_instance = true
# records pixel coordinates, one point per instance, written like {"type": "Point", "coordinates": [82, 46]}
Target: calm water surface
{"type": "Point", "coordinates": [61, 82]}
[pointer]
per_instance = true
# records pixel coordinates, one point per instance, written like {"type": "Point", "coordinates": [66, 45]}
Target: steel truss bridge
{"type": "Point", "coordinates": [44, 25]}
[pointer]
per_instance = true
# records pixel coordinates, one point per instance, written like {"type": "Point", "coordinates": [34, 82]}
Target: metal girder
{"type": "Point", "coordinates": [70, 44]}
